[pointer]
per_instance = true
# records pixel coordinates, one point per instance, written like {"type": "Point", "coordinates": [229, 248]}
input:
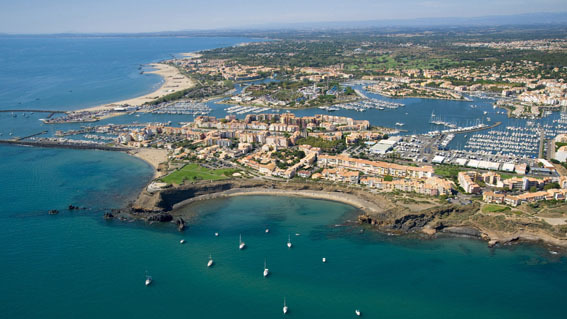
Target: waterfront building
{"type": "Point", "coordinates": [432, 186]}
{"type": "Point", "coordinates": [376, 168]}
{"type": "Point", "coordinates": [467, 182]}
{"type": "Point", "coordinates": [561, 154]}
{"type": "Point", "coordinates": [491, 178]}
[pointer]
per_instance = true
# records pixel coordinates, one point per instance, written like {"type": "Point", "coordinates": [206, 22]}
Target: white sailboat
{"type": "Point", "coordinates": [266, 271]}
{"type": "Point", "coordinates": [182, 241]}
{"type": "Point", "coordinates": [357, 312]}
{"type": "Point", "coordinates": [148, 279]}
{"type": "Point", "coordinates": [284, 307]}
{"type": "Point", "coordinates": [324, 259]}
{"type": "Point", "coordinates": [211, 261]}
{"type": "Point", "coordinates": [242, 244]}
{"type": "Point", "coordinates": [267, 230]}
{"type": "Point", "coordinates": [289, 244]}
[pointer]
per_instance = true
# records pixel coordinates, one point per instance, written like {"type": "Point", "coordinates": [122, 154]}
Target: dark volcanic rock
{"type": "Point", "coordinates": [162, 218]}
{"type": "Point", "coordinates": [53, 212]}
{"type": "Point", "coordinates": [108, 215]}
{"type": "Point", "coordinates": [406, 221]}
{"type": "Point", "coordinates": [180, 223]}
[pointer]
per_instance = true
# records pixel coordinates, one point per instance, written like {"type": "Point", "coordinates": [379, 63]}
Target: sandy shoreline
{"type": "Point", "coordinates": [348, 199]}
{"type": "Point", "coordinates": [173, 81]}
{"type": "Point", "coordinates": [152, 156]}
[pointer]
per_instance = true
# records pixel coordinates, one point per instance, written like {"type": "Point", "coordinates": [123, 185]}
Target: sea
{"type": "Point", "coordinates": [78, 265]}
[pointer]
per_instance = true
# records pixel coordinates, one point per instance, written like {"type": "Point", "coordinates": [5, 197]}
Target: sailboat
{"type": "Point", "coordinates": [289, 241]}
{"type": "Point", "coordinates": [357, 312]}
{"type": "Point", "coordinates": [266, 271]}
{"type": "Point", "coordinates": [182, 241]}
{"type": "Point", "coordinates": [211, 261]}
{"type": "Point", "coordinates": [267, 230]}
{"type": "Point", "coordinates": [284, 307]}
{"type": "Point", "coordinates": [148, 279]}
{"type": "Point", "coordinates": [324, 259]}
{"type": "Point", "coordinates": [242, 244]}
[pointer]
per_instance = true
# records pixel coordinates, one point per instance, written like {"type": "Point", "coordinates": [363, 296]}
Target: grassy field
{"type": "Point", "coordinates": [495, 208]}
{"type": "Point", "coordinates": [192, 172]}
{"type": "Point", "coordinates": [448, 171]}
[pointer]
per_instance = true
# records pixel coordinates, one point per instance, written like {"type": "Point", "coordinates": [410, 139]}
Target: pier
{"type": "Point", "coordinates": [69, 145]}
{"type": "Point", "coordinates": [30, 111]}
{"type": "Point", "coordinates": [29, 136]}
{"type": "Point", "coordinates": [473, 129]}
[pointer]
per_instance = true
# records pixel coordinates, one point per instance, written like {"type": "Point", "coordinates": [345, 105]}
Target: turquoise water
{"type": "Point", "coordinates": [76, 264]}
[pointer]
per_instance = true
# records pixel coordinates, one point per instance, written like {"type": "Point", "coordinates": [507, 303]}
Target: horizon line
{"type": "Point", "coordinates": [320, 25]}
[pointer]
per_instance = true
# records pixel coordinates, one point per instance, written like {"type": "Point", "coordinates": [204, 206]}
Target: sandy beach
{"type": "Point", "coordinates": [349, 199]}
{"type": "Point", "coordinates": [173, 81]}
{"type": "Point", "coordinates": [193, 55]}
{"type": "Point", "coordinates": [152, 156]}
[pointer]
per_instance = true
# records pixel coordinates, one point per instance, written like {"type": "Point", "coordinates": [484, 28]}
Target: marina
{"type": "Point", "coordinates": [363, 105]}
{"type": "Point", "coordinates": [513, 141]}
{"type": "Point", "coordinates": [241, 110]}
{"type": "Point", "coordinates": [183, 108]}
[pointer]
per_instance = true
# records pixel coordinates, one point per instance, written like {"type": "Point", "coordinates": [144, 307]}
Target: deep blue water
{"type": "Point", "coordinates": [71, 73]}
{"type": "Point", "coordinates": [76, 264]}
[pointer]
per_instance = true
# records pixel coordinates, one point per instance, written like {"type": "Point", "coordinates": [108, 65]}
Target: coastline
{"type": "Point", "coordinates": [348, 199]}
{"type": "Point", "coordinates": [152, 156]}
{"type": "Point", "coordinates": [173, 81]}
{"type": "Point", "coordinates": [377, 211]}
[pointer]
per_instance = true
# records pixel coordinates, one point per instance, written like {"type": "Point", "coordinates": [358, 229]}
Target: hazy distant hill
{"type": "Point", "coordinates": [519, 19]}
{"type": "Point", "coordinates": [530, 19]}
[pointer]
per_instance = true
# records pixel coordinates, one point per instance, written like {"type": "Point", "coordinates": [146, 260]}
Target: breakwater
{"type": "Point", "coordinates": [69, 145]}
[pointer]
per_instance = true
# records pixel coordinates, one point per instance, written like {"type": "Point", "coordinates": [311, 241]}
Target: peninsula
{"type": "Point", "coordinates": [508, 183]}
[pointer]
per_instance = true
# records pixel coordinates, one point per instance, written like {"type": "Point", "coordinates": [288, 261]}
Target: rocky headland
{"type": "Point", "coordinates": [392, 213]}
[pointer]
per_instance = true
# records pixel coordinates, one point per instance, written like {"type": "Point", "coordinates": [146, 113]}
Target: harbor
{"type": "Point", "coordinates": [183, 108]}
{"type": "Point", "coordinates": [363, 105]}
{"type": "Point", "coordinates": [242, 110]}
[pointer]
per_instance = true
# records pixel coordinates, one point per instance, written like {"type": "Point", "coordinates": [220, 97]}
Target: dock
{"type": "Point", "coordinates": [30, 111]}
{"type": "Point", "coordinates": [29, 136]}
{"type": "Point", "coordinates": [474, 129]}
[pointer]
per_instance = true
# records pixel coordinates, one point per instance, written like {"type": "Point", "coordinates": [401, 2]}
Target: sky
{"type": "Point", "coordinates": [133, 16]}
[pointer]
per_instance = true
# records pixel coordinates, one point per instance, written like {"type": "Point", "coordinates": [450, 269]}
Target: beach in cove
{"type": "Point", "coordinates": [77, 264]}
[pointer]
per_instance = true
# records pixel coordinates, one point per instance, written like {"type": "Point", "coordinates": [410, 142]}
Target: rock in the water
{"type": "Point", "coordinates": [108, 215]}
{"type": "Point", "coordinates": [180, 223]}
{"type": "Point", "coordinates": [161, 217]}
{"type": "Point", "coordinates": [53, 212]}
